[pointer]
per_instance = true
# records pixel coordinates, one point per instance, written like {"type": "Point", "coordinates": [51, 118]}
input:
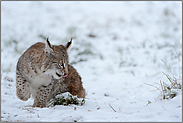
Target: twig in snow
{"type": "Point", "coordinates": [163, 108]}
{"type": "Point", "coordinates": [112, 108]}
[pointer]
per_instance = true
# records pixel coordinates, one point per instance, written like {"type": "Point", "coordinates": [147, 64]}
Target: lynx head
{"type": "Point", "coordinates": [56, 60]}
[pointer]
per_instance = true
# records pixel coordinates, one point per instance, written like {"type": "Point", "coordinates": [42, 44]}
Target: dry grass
{"type": "Point", "coordinates": [167, 91]}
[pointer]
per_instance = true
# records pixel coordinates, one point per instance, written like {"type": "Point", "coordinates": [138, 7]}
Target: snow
{"type": "Point", "coordinates": [117, 49]}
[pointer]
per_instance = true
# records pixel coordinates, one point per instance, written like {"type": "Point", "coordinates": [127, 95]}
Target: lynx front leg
{"type": "Point", "coordinates": [42, 96]}
{"type": "Point", "coordinates": [22, 87]}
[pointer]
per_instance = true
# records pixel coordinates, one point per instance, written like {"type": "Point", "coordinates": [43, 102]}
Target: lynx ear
{"type": "Point", "coordinates": [68, 44]}
{"type": "Point", "coordinates": [48, 47]}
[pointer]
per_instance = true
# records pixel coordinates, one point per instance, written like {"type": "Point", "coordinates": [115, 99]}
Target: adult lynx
{"type": "Point", "coordinates": [44, 72]}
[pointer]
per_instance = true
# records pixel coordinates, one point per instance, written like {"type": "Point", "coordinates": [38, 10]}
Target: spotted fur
{"type": "Point", "coordinates": [43, 72]}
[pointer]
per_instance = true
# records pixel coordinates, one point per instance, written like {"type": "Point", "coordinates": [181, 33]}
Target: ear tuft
{"type": "Point", "coordinates": [48, 43]}
{"type": "Point", "coordinates": [48, 48]}
{"type": "Point", "coordinates": [68, 44]}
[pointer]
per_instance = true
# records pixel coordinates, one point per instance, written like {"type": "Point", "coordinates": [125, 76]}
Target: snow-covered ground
{"type": "Point", "coordinates": [117, 50]}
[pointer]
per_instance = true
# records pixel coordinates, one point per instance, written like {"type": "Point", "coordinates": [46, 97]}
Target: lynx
{"type": "Point", "coordinates": [43, 71]}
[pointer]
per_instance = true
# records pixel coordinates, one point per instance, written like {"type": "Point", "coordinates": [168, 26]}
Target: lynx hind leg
{"type": "Point", "coordinates": [22, 87]}
{"type": "Point", "coordinates": [75, 87]}
{"type": "Point", "coordinates": [42, 96]}
{"type": "Point", "coordinates": [81, 93]}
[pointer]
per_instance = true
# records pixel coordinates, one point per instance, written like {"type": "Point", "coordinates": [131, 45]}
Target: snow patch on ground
{"type": "Point", "coordinates": [117, 50]}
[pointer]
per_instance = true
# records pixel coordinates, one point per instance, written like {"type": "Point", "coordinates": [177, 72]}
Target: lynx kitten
{"type": "Point", "coordinates": [44, 72]}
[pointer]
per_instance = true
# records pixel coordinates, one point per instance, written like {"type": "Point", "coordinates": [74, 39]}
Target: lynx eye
{"type": "Point", "coordinates": [54, 62]}
{"type": "Point", "coordinates": [61, 65]}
